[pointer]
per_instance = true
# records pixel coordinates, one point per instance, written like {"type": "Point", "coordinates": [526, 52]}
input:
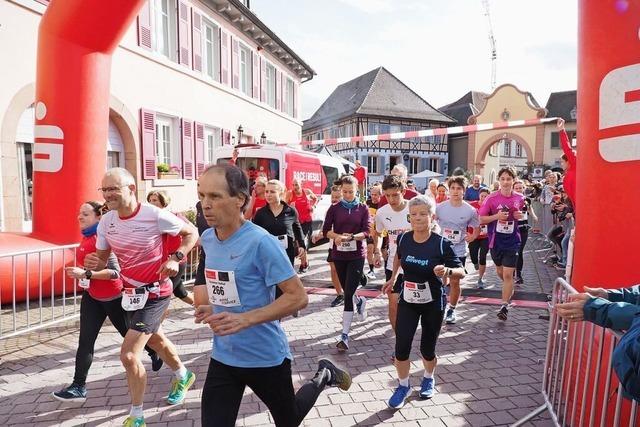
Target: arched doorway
{"type": "Point", "coordinates": [504, 149]}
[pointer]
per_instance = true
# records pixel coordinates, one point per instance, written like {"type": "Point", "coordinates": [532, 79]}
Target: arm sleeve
{"type": "Point", "coordinates": [169, 223]}
{"type": "Point", "coordinates": [378, 222]}
{"type": "Point", "coordinates": [475, 218]}
{"type": "Point", "coordinates": [613, 315]}
{"type": "Point", "coordinates": [200, 280]}
{"type": "Point", "coordinates": [566, 147]}
{"type": "Point", "coordinates": [298, 235]}
{"type": "Point", "coordinates": [629, 295]}
{"type": "Point", "coordinates": [328, 221]}
{"type": "Point", "coordinates": [101, 241]}
{"type": "Point", "coordinates": [112, 262]}
{"type": "Point", "coordinates": [272, 262]}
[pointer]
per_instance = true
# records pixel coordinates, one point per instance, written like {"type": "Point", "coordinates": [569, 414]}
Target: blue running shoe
{"type": "Point", "coordinates": [427, 388]}
{"type": "Point", "coordinates": [399, 397]}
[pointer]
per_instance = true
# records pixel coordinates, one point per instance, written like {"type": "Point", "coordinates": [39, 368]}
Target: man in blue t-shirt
{"type": "Point", "coordinates": [243, 266]}
{"type": "Point", "coordinates": [473, 191]}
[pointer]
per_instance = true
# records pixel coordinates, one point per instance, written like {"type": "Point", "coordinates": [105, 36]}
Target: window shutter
{"type": "Point", "coordinates": [235, 63]}
{"type": "Point", "coordinates": [144, 26]}
{"type": "Point", "coordinates": [255, 75]}
{"type": "Point", "coordinates": [148, 144]}
{"type": "Point", "coordinates": [187, 148]}
{"type": "Point", "coordinates": [296, 88]}
{"type": "Point", "coordinates": [263, 80]}
{"type": "Point", "coordinates": [226, 137]}
{"type": "Point", "coordinates": [278, 89]}
{"type": "Point", "coordinates": [285, 93]}
{"type": "Point", "coordinates": [196, 35]}
{"type": "Point", "coordinates": [199, 151]}
{"type": "Point", "coordinates": [225, 55]}
{"type": "Point", "coordinates": [184, 53]}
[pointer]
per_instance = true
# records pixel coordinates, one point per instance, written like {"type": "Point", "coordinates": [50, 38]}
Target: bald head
{"type": "Point", "coordinates": [120, 175]}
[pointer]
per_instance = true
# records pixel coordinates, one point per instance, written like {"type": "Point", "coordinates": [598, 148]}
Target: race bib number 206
{"type": "Point", "coordinates": [221, 288]}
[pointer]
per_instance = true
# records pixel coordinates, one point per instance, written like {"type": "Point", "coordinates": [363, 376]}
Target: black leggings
{"type": "Point", "coordinates": [178, 286]}
{"type": "Point", "coordinates": [524, 235]}
{"type": "Point", "coordinates": [350, 276]}
{"type": "Point", "coordinates": [478, 250]}
{"type": "Point", "coordinates": [430, 316]}
{"type": "Point", "coordinates": [92, 315]}
{"type": "Point", "coordinates": [223, 389]}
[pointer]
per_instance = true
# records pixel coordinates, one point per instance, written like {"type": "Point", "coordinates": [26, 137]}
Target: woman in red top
{"type": "Point", "coordinates": [304, 200]}
{"type": "Point", "coordinates": [479, 248]}
{"type": "Point", "coordinates": [568, 162]}
{"type": "Point", "coordinates": [442, 195]}
{"type": "Point", "coordinates": [258, 199]}
{"type": "Point", "coordinates": [101, 299]}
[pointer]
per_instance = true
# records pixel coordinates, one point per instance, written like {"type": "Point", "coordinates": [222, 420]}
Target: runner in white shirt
{"type": "Point", "coordinates": [134, 233]}
{"type": "Point", "coordinates": [454, 217]}
{"type": "Point", "coordinates": [392, 218]}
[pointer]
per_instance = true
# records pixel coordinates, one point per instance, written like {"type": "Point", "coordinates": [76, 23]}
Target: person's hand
{"type": "Point", "coordinates": [75, 272]}
{"type": "Point", "coordinates": [597, 292]}
{"type": "Point", "coordinates": [569, 215]}
{"type": "Point", "coordinates": [573, 310]}
{"type": "Point", "coordinates": [201, 312]}
{"type": "Point", "coordinates": [439, 270]}
{"type": "Point", "coordinates": [168, 269]}
{"type": "Point", "coordinates": [518, 215]}
{"type": "Point", "coordinates": [93, 262]}
{"type": "Point", "coordinates": [347, 237]}
{"type": "Point", "coordinates": [227, 323]}
{"type": "Point", "coordinates": [503, 216]}
{"type": "Point", "coordinates": [469, 238]}
{"type": "Point", "coordinates": [388, 287]}
{"type": "Point", "coordinates": [377, 260]}
{"type": "Point", "coordinates": [338, 239]}
{"type": "Point", "coordinates": [301, 252]}
{"type": "Point", "coordinates": [560, 124]}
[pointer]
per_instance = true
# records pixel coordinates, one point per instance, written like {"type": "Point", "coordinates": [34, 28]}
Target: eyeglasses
{"type": "Point", "coordinates": [105, 190]}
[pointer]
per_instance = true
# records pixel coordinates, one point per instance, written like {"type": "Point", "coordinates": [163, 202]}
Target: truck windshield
{"type": "Point", "coordinates": [256, 166]}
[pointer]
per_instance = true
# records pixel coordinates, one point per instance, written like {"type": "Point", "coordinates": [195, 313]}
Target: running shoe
{"type": "Point", "coordinates": [343, 345]}
{"type": "Point", "coordinates": [156, 362]}
{"type": "Point", "coordinates": [502, 314]}
{"type": "Point", "coordinates": [362, 308]}
{"type": "Point", "coordinates": [480, 284]}
{"type": "Point", "coordinates": [73, 393]}
{"type": "Point", "coordinates": [134, 422]}
{"type": "Point", "coordinates": [338, 377]}
{"type": "Point", "coordinates": [339, 300]}
{"type": "Point", "coordinates": [179, 388]}
{"type": "Point", "coordinates": [451, 317]}
{"type": "Point", "coordinates": [519, 280]}
{"type": "Point", "coordinates": [303, 269]}
{"type": "Point", "coordinates": [427, 388]}
{"type": "Point", "coordinates": [399, 397]}
{"type": "Point", "coordinates": [371, 275]}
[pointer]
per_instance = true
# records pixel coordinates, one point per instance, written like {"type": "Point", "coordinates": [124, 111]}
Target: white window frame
{"type": "Point", "coordinates": [164, 22]}
{"type": "Point", "coordinates": [270, 83]}
{"type": "Point", "coordinates": [518, 150]}
{"type": "Point", "coordinates": [434, 163]}
{"type": "Point", "coordinates": [211, 49]}
{"type": "Point", "coordinates": [212, 141]}
{"type": "Point", "coordinates": [169, 151]}
{"type": "Point", "coordinates": [414, 165]}
{"type": "Point", "coordinates": [507, 149]}
{"type": "Point", "coordinates": [245, 69]}
{"type": "Point", "coordinates": [290, 96]}
{"type": "Point", "coordinates": [373, 165]}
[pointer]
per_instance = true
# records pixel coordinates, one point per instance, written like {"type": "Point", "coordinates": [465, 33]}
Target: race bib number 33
{"type": "Point", "coordinates": [221, 287]}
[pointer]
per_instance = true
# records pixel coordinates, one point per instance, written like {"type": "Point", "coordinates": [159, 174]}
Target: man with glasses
{"type": "Point", "coordinates": [133, 231]}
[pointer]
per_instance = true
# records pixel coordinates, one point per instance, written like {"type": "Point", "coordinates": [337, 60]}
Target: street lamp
{"type": "Point", "coordinates": [240, 132]}
{"type": "Point", "coordinates": [263, 138]}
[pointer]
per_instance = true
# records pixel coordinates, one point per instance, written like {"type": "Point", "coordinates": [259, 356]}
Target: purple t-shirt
{"type": "Point", "coordinates": [343, 220]}
{"type": "Point", "coordinates": [503, 234]}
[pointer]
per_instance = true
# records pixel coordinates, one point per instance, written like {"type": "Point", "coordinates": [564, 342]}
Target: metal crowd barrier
{"type": "Point", "coordinates": [35, 293]}
{"type": "Point", "coordinates": [581, 391]}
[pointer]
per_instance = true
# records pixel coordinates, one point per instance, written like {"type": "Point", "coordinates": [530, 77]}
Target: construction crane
{"type": "Point", "coordinates": [492, 43]}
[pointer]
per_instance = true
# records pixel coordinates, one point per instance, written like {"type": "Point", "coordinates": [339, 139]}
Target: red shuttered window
{"type": "Point", "coordinates": [255, 60]}
{"type": "Point", "coordinates": [144, 26]}
{"type": "Point", "coordinates": [235, 63]}
{"type": "Point", "coordinates": [225, 57]}
{"type": "Point", "coordinates": [184, 42]}
{"type": "Point", "coordinates": [187, 149]}
{"type": "Point", "coordinates": [199, 148]}
{"type": "Point", "coordinates": [148, 143]}
{"type": "Point", "coordinates": [196, 35]}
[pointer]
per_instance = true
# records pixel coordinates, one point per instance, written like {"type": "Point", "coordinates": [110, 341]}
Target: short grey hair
{"type": "Point", "coordinates": [434, 181]}
{"type": "Point", "coordinates": [401, 169]}
{"type": "Point", "coordinates": [421, 200]}
{"type": "Point", "coordinates": [125, 176]}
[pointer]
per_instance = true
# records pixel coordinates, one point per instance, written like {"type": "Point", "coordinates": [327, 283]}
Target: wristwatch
{"type": "Point", "coordinates": [179, 255]}
{"type": "Point", "coordinates": [88, 274]}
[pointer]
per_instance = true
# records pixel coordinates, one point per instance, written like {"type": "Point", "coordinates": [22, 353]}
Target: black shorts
{"type": "Point", "coordinates": [397, 287]}
{"type": "Point", "coordinates": [306, 228]}
{"type": "Point", "coordinates": [148, 319]}
{"type": "Point", "coordinates": [504, 257]}
{"type": "Point", "coordinates": [369, 240]}
{"type": "Point", "coordinates": [329, 259]}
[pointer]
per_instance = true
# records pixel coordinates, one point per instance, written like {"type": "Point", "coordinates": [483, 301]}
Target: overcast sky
{"type": "Point", "coordinates": [439, 48]}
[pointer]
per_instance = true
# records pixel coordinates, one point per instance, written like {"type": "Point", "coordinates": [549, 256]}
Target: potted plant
{"type": "Point", "coordinates": [168, 172]}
